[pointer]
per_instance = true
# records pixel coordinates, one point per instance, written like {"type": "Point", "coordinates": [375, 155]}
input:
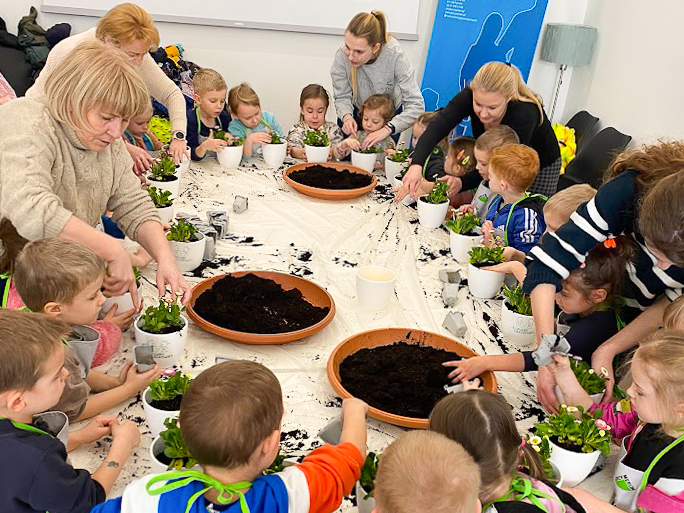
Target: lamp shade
{"type": "Point", "coordinates": [571, 45]}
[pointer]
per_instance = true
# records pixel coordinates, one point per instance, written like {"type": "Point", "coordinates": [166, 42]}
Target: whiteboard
{"type": "Point", "coordinates": [315, 16]}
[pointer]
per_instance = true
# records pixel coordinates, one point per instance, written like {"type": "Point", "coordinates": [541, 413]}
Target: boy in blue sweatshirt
{"type": "Point", "coordinates": [514, 216]}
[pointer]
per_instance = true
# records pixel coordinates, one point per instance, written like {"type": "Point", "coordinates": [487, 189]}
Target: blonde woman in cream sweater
{"type": "Point", "coordinates": [63, 163]}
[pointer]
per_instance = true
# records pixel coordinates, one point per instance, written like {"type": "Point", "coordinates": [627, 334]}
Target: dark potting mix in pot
{"type": "Point", "coordinates": [403, 379]}
{"type": "Point", "coordinates": [323, 177]}
{"type": "Point", "coordinates": [252, 304]}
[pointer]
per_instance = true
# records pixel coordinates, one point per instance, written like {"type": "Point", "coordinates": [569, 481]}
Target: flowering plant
{"type": "Point", "coordinates": [591, 382]}
{"type": "Point", "coordinates": [573, 429]}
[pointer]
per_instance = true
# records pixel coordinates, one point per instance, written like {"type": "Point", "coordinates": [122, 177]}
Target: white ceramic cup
{"type": "Point", "coordinates": [375, 286]}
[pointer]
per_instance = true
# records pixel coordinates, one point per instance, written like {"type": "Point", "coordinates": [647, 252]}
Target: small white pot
{"type": "Point", "coordinates": [559, 474]}
{"type": "Point", "coordinates": [173, 186]}
{"type": "Point", "coordinates": [429, 215]}
{"type": "Point", "coordinates": [484, 284]}
{"type": "Point", "coordinates": [185, 163]}
{"type": "Point", "coordinates": [574, 466]}
{"type": "Point", "coordinates": [398, 182]}
{"type": "Point", "coordinates": [125, 302]}
{"type": "Point", "coordinates": [154, 417]}
{"type": "Point", "coordinates": [364, 160]}
{"type": "Point", "coordinates": [166, 214]}
{"type": "Point", "coordinates": [168, 347]}
{"type": "Point", "coordinates": [364, 505]}
{"type": "Point", "coordinates": [230, 156]}
{"type": "Point", "coordinates": [84, 345]}
{"type": "Point", "coordinates": [517, 329]}
{"type": "Point", "coordinates": [57, 424]}
{"type": "Point", "coordinates": [375, 286]}
{"type": "Point", "coordinates": [393, 169]}
{"type": "Point", "coordinates": [189, 255]}
{"type": "Point", "coordinates": [317, 153]}
{"type": "Point", "coordinates": [274, 154]}
{"type": "Point", "coordinates": [594, 397]}
{"type": "Point", "coordinates": [461, 244]}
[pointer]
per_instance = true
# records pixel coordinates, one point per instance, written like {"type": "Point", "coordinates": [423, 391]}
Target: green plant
{"type": "Point", "coordinates": [401, 155]}
{"type": "Point", "coordinates": [277, 465]}
{"type": "Point", "coordinates": [182, 231]}
{"type": "Point", "coordinates": [438, 194]}
{"type": "Point", "coordinates": [573, 429]}
{"type": "Point", "coordinates": [518, 300]}
{"type": "Point", "coordinates": [591, 382]}
{"type": "Point", "coordinates": [481, 254]}
{"type": "Point", "coordinates": [463, 223]}
{"type": "Point", "coordinates": [174, 446]}
{"type": "Point", "coordinates": [138, 276]}
{"type": "Point", "coordinates": [224, 136]}
{"type": "Point", "coordinates": [160, 318]}
{"type": "Point", "coordinates": [167, 389]}
{"type": "Point", "coordinates": [368, 473]}
{"type": "Point", "coordinates": [163, 168]}
{"type": "Point", "coordinates": [275, 137]}
{"type": "Point", "coordinates": [159, 197]}
{"type": "Point", "coordinates": [316, 138]}
{"type": "Point", "coordinates": [371, 150]}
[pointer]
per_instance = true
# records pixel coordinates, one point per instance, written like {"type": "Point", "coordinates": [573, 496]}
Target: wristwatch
{"type": "Point", "coordinates": [179, 135]}
{"type": "Point", "coordinates": [392, 128]}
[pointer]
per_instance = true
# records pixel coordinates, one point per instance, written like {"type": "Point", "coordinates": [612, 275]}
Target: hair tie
{"type": "Point", "coordinates": [609, 243]}
{"type": "Point", "coordinates": [523, 442]}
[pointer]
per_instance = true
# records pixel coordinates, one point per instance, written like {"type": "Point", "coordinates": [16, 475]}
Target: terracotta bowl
{"type": "Point", "coordinates": [386, 337]}
{"type": "Point", "coordinates": [329, 194]}
{"type": "Point", "coordinates": [313, 293]}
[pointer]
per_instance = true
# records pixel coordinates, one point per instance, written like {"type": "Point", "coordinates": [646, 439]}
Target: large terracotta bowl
{"type": "Point", "coordinates": [386, 337]}
{"type": "Point", "coordinates": [313, 293]}
{"type": "Point", "coordinates": [329, 194]}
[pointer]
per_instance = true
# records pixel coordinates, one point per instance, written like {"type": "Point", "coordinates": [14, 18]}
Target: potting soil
{"type": "Point", "coordinates": [167, 404]}
{"type": "Point", "coordinates": [252, 304]}
{"type": "Point", "coordinates": [323, 177]}
{"type": "Point", "coordinates": [403, 379]}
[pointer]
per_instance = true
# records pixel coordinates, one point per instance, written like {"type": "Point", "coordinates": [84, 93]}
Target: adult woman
{"type": "Point", "coordinates": [373, 62]}
{"type": "Point", "coordinates": [497, 95]}
{"type": "Point", "coordinates": [131, 29]}
{"type": "Point", "coordinates": [643, 198]}
{"type": "Point", "coordinates": [64, 163]}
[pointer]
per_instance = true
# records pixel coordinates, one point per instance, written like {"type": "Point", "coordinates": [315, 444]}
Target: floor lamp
{"type": "Point", "coordinates": [567, 45]}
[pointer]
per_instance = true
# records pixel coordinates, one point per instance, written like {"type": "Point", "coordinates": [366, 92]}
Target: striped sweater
{"type": "Point", "coordinates": [612, 212]}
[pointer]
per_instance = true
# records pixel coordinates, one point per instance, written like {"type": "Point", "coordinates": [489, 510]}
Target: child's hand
{"type": "Point", "coordinates": [475, 384]}
{"type": "Point", "coordinates": [375, 137]}
{"type": "Point", "coordinates": [97, 428]}
{"type": "Point", "coordinates": [351, 143]}
{"type": "Point", "coordinates": [122, 320]}
{"type": "Point", "coordinates": [467, 368]}
{"type": "Point", "coordinates": [400, 193]}
{"type": "Point", "coordinates": [518, 269]}
{"type": "Point", "coordinates": [512, 254]}
{"type": "Point", "coordinates": [470, 209]}
{"type": "Point", "coordinates": [560, 368]}
{"type": "Point", "coordinates": [211, 144]}
{"type": "Point", "coordinates": [137, 381]}
{"type": "Point", "coordinates": [259, 137]}
{"type": "Point", "coordinates": [454, 184]}
{"type": "Point", "coordinates": [126, 433]}
{"type": "Point", "coordinates": [354, 405]}
{"type": "Point", "coordinates": [487, 229]}
{"type": "Point", "coordinates": [389, 152]}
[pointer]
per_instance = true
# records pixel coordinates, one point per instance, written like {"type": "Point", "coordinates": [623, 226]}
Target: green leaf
{"type": "Point", "coordinates": [163, 167]}
{"type": "Point", "coordinates": [316, 138]}
{"type": "Point", "coordinates": [401, 155]}
{"type": "Point", "coordinates": [518, 300]}
{"type": "Point", "coordinates": [275, 137]}
{"type": "Point", "coordinates": [167, 389]}
{"type": "Point", "coordinates": [182, 231]}
{"type": "Point", "coordinates": [579, 430]}
{"type": "Point", "coordinates": [156, 318]}
{"type": "Point", "coordinates": [174, 446]}
{"type": "Point", "coordinates": [368, 473]}
{"type": "Point", "coordinates": [438, 194]}
{"type": "Point", "coordinates": [159, 197]}
{"type": "Point", "coordinates": [463, 223]}
{"type": "Point", "coordinates": [481, 254]}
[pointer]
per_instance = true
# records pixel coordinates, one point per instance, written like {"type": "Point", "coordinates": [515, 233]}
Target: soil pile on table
{"type": "Point", "coordinates": [403, 379]}
{"type": "Point", "coordinates": [323, 177]}
{"type": "Point", "coordinates": [251, 304]}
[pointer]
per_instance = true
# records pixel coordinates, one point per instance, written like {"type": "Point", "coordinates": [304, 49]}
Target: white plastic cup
{"type": "Point", "coordinates": [375, 286]}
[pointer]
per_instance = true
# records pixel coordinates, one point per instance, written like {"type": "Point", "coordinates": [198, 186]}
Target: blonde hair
{"type": "Point", "coordinates": [206, 80]}
{"type": "Point", "coordinates": [382, 102]}
{"type": "Point", "coordinates": [505, 78]}
{"type": "Point", "coordinates": [372, 26]}
{"type": "Point", "coordinates": [95, 76]}
{"type": "Point", "coordinates": [673, 317]}
{"type": "Point", "coordinates": [126, 23]}
{"type": "Point", "coordinates": [55, 269]}
{"type": "Point", "coordinates": [496, 136]}
{"type": "Point", "coordinates": [242, 93]}
{"type": "Point", "coordinates": [516, 163]}
{"type": "Point", "coordinates": [425, 471]}
{"type": "Point", "coordinates": [565, 202]}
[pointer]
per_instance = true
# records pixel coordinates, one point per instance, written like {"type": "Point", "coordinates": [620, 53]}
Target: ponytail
{"type": "Point", "coordinates": [12, 244]}
{"type": "Point", "coordinates": [372, 26]}
{"type": "Point", "coordinates": [532, 463]}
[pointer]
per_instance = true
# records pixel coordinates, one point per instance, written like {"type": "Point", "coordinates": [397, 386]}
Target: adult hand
{"type": "Point", "coordinates": [601, 360]}
{"type": "Point", "coordinates": [399, 193]}
{"type": "Point", "coordinates": [413, 179]}
{"type": "Point", "coordinates": [141, 159]}
{"type": "Point", "coordinates": [211, 144]}
{"type": "Point", "coordinates": [259, 137]}
{"type": "Point", "coordinates": [178, 149]}
{"type": "Point", "coordinates": [454, 182]}
{"type": "Point", "coordinates": [349, 125]}
{"type": "Point", "coordinates": [545, 390]}
{"type": "Point", "coordinates": [168, 273]}
{"type": "Point", "coordinates": [120, 278]}
{"type": "Point", "coordinates": [375, 137]}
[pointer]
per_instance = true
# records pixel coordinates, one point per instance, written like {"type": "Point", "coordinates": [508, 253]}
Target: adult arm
{"type": "Point", "coordinates": [165, 92]}
{"type": "Point", "coordinates": [412, 102]}
{"type": "Point", "coordinates": [342, 87]}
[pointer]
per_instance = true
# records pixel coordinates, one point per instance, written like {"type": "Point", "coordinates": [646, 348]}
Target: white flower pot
{"type": "Point", "coordinates": [154, 417]}
{"type": "Point", "coordinates": [517, 329]}
{"type": "Point", "coordinates": [393, 169]}
{"type": "Point", "coordinates": [461, 244]}
{"type": "Point", "coordinates": [574, 466]}
{"type": "Point", "coordinates": [375, 287]}
{"type": "Point", "coordinates": [185, 163]}
{"type": "Point", "coordinates": [317, 153]}
{"type": "Point", "coordinates": [364, 160]}
{"type": "Point", "coordinates": [429, 215]}
{"type": "Point", "coordinates": [230, 156]}
{"type": "Point", "coordinates": [166, 214]}
{"type": "Point", "coordinates": [173, 186]}
{"type": "Point", "coordinates": [189, 255]}
{"type": "Point", "coordinates": [157, 447]}
{"type": "Point", "coordinates": [274, 154]}
{"type": "Point", "coordinates": [57, 424]}
{"type": "Point", "coordinates": [559, 475]}
{"type": "Point", "coordinates": [594, 397]}
{"type": "Point", "coordinates": [398, 182]}
{"type": "Point", "coordinates": [168, 347]}
{"type": "Point", "coordinates": [484, 284]}
{"type": "Point", "coordinates": [364, 505]}
{"type": "Point", "coordinates": [125, 302]}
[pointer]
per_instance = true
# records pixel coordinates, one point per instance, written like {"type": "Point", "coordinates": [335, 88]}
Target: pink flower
{"type": "Point", "coordinates": [601, 425]}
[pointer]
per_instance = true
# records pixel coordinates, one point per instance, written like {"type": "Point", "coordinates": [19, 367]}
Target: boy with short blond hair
{"type": "Point", "coordinates": [36, 476]}
{"type": "Point", "coordinates": [425, 471]}
{"type": "Point", "coordinates": [230, 422]}
{"type": "Point", "coordinates": [208, 114]}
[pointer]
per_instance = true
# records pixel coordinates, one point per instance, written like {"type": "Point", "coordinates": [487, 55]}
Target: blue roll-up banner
{"type": "Point", "coordinates": [470, 33]}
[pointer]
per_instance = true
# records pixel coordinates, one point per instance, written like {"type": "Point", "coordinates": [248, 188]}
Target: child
{"type": "Point", "coordinates": [138, 132]}
{"type": "Point", "coordinates": [63, 278]}
{"type": "Point", "coordinates": [514, 215]}
{"type": "Point", "coordinates": [208, 114]}
{"type": "Point", "coordinates": [587, 302]}
{"type": "Point", "coordinates": [313, 104]}
{"type": "Point", "coordinates": [425, 471]}
{"type": "Point", "coordinates": [483, 424]}
{"type": "Point", "coordinates": [36, 476]}
{"type": "Point", "coordinates": [459, 161]}
{"type": "Point", "coordinates": [375, 113]}
{"type": "Point", "coordinates": [249, 122]}
{"type": "Point", "coordinates": [230, 423]}
{"type": "Point", "coordinates": [649, 475]}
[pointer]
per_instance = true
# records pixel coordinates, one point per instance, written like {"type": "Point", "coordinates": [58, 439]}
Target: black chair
{"type": "Point", "coordinates": [583, 123]}
{"type": "Point", "coordinates": [591, 163]}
